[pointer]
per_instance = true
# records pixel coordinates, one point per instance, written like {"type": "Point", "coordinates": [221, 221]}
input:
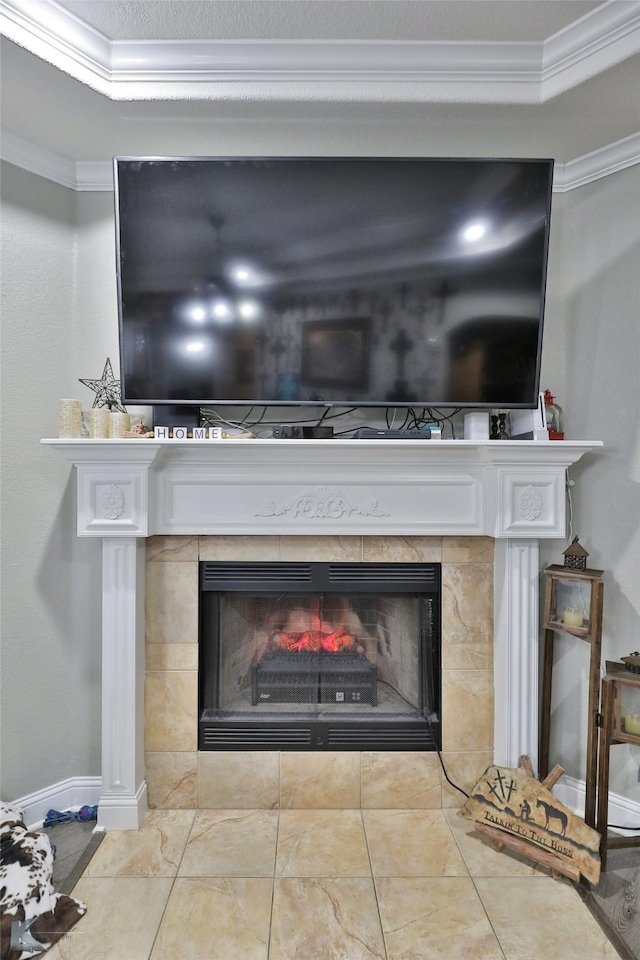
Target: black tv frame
{"type": "Point", "coordinates": [172, 404]}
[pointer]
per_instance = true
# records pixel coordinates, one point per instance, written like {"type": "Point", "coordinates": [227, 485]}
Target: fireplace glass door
{"type": "Point", "coordinates": [319, 656]}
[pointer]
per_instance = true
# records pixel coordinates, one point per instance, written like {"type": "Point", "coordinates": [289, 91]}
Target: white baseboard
{"type": "Point", "coordinates": [572, 793]}
{"type": "Point", "coordinates": [70, 794]}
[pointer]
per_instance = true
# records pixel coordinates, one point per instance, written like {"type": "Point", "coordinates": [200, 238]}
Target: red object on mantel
{"type": "Point", "coordinates": [553, 416]}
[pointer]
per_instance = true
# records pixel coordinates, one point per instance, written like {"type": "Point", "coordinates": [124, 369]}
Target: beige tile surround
{"type": "Point", "coordinates": [178, 777]}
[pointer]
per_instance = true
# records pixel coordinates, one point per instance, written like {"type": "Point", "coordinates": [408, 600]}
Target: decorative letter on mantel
{"type": "Point", "coordinates": [322, 503]}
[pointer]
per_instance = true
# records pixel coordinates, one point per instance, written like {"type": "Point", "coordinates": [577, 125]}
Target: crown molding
{"type": "Point", "coordinates": [597, 164]}
{"type": "Point", "coordinates": [348, 70]}
{"type": "Point", "coordinates": [84, 176]}
{"type": "Point", "coordinates": [594, 43]}
{"type": "Point", "coordinates": [96, 176]}
{"type": "Point", "coordinates": [39, 160]}
{"type": "Point", "coordinates": [62, 39]}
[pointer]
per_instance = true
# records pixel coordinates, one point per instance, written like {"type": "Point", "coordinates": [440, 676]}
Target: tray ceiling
{"type": "Point", "coordinates": [89, 79]}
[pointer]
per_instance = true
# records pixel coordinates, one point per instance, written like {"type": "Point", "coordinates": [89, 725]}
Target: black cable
{"type": "Point", "coordinates": [246, 417]}
{"type": "Point", "coordinates": [212, 415]}
{"type": "Point", "coordinates": [398, 694]}
{"type": "Point", "coordinates": [447, 778]}
{"type": "Point", "coordinates": [412, 418]}
{"type": "Point", "coordinates": [260, 418]}
{"type": "Point", "coordinates": [620, 826]}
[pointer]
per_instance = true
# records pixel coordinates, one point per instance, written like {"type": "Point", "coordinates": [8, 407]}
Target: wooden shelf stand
{"type": "Point", "coordinates": [616, 685]}
{"type": "Point", "coordinates": [573, 606]}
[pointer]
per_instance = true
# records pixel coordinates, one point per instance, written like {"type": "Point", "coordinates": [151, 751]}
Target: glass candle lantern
{"type": "Point", "coordinates": [627, 710]}
{"type": "Point", "coordinates": [570, 603]}
{"type": "Point", "coordinates": [573, 609]}
{"type": "Point", "coordinates": [573, 600]}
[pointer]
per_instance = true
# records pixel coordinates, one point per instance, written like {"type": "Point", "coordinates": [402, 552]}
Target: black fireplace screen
{"type": "Point", "coordinates": [319, 656]}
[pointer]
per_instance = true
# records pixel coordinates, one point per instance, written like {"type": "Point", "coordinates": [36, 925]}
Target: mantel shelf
{"type": "Point", "coordinates": [490, 451]}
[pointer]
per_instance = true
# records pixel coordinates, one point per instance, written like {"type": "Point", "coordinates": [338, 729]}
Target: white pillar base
{"type": "Point", "coordinates": [124, 812]}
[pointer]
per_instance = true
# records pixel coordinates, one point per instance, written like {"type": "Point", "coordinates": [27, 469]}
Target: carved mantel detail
{"type": "Point", "coordinates": [322, 503]}
{"type": "Point", "coordinates": [113, 501]}
{"type": "Point", "coordinates": [530, 503]}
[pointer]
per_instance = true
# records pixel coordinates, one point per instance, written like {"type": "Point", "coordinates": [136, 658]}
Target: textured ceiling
{"type": "Point", "coordinates": [452, 20]}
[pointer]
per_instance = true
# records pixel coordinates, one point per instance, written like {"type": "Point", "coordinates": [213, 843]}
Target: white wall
{"type": "Point", "coordinates": [50, 579]}
{"type": "Point", "coordinates": [601, 399]}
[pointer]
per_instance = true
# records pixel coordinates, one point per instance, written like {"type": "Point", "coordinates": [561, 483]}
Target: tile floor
{"type": "Point", "coordinates": [321, 885]}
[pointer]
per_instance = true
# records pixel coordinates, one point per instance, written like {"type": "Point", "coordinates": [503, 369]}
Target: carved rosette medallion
{"type": "Point", "coordinates": [530, 503]}
{"type": "Point", "coordinates": [113, 501]}
{"type": "Point", "coordinates": [321, 503]}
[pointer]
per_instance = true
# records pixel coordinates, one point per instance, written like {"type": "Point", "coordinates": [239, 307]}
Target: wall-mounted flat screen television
{"type": "Point", "coordinates": [333, 281]}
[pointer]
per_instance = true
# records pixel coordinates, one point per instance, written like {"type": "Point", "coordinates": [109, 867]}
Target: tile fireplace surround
{"type": "Point", "coordinates": [479, 508]}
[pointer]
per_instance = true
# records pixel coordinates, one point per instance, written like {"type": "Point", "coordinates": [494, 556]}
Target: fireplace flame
{"type": "Point", "coordinates": [307, 631]}
{"type": "Point", "coordinates": [312, 641]}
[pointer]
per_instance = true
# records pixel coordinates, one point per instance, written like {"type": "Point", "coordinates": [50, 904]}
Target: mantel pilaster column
{"type": "Point", "coordinates": [516, 651]}
{"type": "Point", "coordinates": [123, 803]}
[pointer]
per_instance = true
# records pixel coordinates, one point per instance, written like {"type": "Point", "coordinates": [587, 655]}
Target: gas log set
{"type": "Point", "coordinates": [322, 663]}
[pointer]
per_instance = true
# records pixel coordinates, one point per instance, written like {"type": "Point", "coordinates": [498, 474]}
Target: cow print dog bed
{"type": "Point", "coordinates": [32, 915]}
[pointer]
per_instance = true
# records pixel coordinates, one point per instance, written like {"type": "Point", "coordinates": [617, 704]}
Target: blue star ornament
{"type": "Point", "coordinates": [107, 389]}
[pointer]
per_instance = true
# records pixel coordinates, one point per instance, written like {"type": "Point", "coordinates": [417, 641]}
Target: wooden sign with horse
{"type": "Point", "coordinates": [515, 810]}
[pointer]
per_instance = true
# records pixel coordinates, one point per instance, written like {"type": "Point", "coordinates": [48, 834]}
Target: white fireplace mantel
{"type": "Point", "coordinates": [436, 488]}
{"type": "Point", "coordinates": [131, 489]}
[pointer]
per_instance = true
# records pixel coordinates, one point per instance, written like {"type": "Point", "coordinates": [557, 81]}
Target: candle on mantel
{"type": "Point", "coordinates": [632, 724]}
{"type": "Point", "coordinates": [69, 418]}
{"type": "Point", "coordinates": [119, 424]}
{"type": "Point", "coordinates": [572, 617]}
{"type": "Point", "coordinates": [99, 422]}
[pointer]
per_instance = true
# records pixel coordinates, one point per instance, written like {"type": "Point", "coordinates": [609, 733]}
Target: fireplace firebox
{"type": "Point", "coordinates": [319, 656]}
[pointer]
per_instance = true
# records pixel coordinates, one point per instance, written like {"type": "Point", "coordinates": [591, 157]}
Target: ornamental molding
{"type": "Point", "coordinates": [597, 164]}
{"type": "Point", "coordinates": [113, 502]}
{"type": "Point", "coordinates": [530, 503]}
{"type": "Point", "coordinates": [321, 503]}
